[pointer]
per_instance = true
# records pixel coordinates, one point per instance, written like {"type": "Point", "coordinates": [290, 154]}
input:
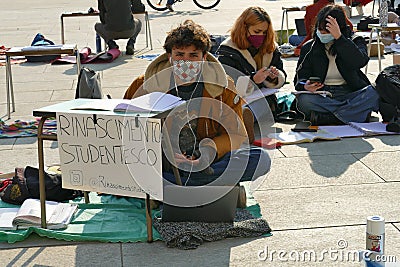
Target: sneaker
{"type": "Point", "coordinates": [170, 8]}
{"type": "Point", "coordinates": [318, 118]}
{"type": "Point", "coordinates": [393, 127]}
{"type": "Point", "coordinates": [112, 45]}
{"type": "Point", "coordinates": [130, 49]}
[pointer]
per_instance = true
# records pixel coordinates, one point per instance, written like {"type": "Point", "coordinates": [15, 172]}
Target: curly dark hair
{"type": "Point", "coordinates": [187, 34]}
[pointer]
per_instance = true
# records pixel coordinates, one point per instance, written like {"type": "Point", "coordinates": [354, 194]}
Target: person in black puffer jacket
{"type": "Point", "coordinates": [334, 55]}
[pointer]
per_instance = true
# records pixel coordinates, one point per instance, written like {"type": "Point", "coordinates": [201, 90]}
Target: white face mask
{"type": "Point", "coordinates": [186, 70]}
{"type": "Point", "coordinates": [325, 37]}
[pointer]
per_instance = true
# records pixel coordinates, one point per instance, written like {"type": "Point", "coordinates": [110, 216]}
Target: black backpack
{"type": "Point", "coordinates": [25, 185]}
{"type": "Point", "coordinates": [388, 87]}
{"type": "Point", "coordinates": [363, 24]}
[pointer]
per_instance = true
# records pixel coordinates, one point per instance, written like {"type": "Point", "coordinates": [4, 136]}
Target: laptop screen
{"type": "Point", "coordinates": [300, 27]}
{"type": "Point", "coordinates": [221, 210]}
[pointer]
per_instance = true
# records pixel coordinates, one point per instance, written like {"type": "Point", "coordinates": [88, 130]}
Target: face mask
{"type": "Point", "coordinates": [256, 40]}
{"type": "Point", "coordinates": [325, 37]}
{"type": "Point", "coordinates": [186, 70]}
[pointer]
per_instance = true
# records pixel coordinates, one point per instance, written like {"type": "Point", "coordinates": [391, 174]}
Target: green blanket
{"type": "Point", "coordinates": [107, 219]}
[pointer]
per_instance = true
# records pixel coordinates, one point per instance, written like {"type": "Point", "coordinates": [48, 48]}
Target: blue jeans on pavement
{"type": "Point", "coordinates": [170, 2]}
{"type": "Point", "coordinates": [295, 40]}
{"type": "Point", "coordinates": [236, 166]}
{"type": "Point", "coordinates": [347, 106]}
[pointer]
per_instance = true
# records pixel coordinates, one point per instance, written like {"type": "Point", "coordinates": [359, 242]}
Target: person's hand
{"type": "Point", "coordinates": [184, 159]}
{"type": "Point", "coordinates": [312, 87]}
{"type": "Point", "coordinates": [333, 27]}
{"type": "Point", "coordinates": [265, 72]}
{"type": "Point", "coordinates": [188, 162]}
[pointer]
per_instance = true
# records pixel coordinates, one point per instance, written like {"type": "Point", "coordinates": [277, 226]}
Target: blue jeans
{"type": "Point", "coordinates": [345, 105]}
{"type": "Point", "coordinates": [236, 166]}
{"type": "Point", "coordinates": [295, 40]}
{"type": "Point", "coordinates": [170, 2]}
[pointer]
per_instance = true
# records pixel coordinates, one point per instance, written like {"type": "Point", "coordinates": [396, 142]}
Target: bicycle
{"type": "Point", "coordinates": [160, 5]}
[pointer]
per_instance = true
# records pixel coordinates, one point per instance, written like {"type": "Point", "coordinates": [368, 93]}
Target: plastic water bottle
{"type": "Point", "coordinates": [98, 43]}
{"type": "Point", "coordinates": [383, 13]}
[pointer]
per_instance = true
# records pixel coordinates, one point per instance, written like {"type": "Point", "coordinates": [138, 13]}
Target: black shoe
{"type": "Point", "coordinates": [289, 115]}
{"type": "Point", "coordinates": [393, 127]}
{"type": "Point", "coordinates": [112, 44]}
{"type": "Point", "coordinates": [318, 118]}
{"type": "Point", "coordinates": [170, 8]}
{"type": "Point", "coordinates": [130, 49]}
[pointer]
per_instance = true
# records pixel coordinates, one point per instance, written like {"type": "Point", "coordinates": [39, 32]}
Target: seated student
{"type": "Point", "coordinates": [358, 4]}
{"type": "Point", "coordinates": [336, 56]}
{"type": "Point", "coordinates": [117, 22]}
{"type": "Point", "coordinates": [251, 49]}
{"type": "Point", "coordinates": [309, 20]}
{"type": "Point", "coordinates": [207, 134]}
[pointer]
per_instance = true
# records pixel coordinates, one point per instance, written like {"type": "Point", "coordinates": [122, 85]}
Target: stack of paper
{"type": "Point", "coordinates": [152, 102]}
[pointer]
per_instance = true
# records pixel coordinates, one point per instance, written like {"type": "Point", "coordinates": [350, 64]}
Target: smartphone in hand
{"type": "Point", "coordinates": [315, 79]}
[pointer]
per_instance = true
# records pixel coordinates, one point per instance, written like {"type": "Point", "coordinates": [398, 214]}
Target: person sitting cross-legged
{"type": "Point", "coordinates": [207, 133]}
{"type": "Point", "coordinates": [334, 55]}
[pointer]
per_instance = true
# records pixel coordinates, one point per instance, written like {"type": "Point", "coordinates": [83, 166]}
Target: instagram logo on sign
{"type": "Point", "coordinates": [76, 177]}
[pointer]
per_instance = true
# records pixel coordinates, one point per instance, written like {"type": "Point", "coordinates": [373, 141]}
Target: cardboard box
{"type": "Point", "coordinates": [396, 59]}
{"type": "Point", "coordinates": [374, 49]}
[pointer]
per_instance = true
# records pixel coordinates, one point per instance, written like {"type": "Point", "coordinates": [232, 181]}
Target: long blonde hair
{"type": "Point", "coordinates": [253, 16]}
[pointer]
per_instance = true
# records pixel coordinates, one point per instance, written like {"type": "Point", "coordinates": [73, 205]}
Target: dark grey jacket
{"type": "Point", "coordinates": [351, 56]}
{"type": "Point", "coordinates": [116, 15]}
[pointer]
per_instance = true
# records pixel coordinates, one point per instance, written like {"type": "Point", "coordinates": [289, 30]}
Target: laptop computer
{"type": "Point", "coordinates": [300, 27]}
{"type": "Point", "coordinates": [221, 210]}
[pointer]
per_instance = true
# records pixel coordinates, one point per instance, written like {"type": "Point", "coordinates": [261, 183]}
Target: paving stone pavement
{"type": "Point", "coordinates": [316, 197]}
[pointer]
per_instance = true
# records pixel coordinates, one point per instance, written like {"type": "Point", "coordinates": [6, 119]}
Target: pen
{"type": "Point", "coordinates": [304, 130]}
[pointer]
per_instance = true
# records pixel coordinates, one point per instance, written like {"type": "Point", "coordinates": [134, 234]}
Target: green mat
{"type": "Point", "coordinates": [107, 219]}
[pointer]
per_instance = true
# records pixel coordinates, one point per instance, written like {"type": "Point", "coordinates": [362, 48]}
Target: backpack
{"type": "Point", "coordinates": [363, 24]}
{"type": "Point", "coordinates": [25, 184]}
{"type": "Point", "coordinates": [137, 6]}
{"type": "Point", "coordinates": [40, 40]}
{"type": "Point", "coordinates": [387, 85]}
{"type": "Point", "coordinates": [89, 84]}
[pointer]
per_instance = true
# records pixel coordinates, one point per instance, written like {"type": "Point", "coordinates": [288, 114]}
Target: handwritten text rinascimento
{"type": "Point", "coordinates": [95, 148]}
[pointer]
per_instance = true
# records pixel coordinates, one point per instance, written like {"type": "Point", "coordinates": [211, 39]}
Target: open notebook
{"type": "Point", "coordinates": [336, 132]}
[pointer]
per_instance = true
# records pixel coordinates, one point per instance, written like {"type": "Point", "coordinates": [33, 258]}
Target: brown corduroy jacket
{"type": "Point", "coordinates": [220, 118]}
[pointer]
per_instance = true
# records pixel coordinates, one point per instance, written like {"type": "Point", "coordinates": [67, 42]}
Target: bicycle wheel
{"type": "Point", "coordinates": [206, 4]}
{"type": "Point", "coordinates": [159, 5]}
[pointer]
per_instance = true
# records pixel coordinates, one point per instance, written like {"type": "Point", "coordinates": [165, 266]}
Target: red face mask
{"type": "Point", "coordinates": [256, 40]}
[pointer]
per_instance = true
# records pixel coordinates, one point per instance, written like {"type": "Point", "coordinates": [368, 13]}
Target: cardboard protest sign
{"type": "Point", "coordinates": [112, 154]}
